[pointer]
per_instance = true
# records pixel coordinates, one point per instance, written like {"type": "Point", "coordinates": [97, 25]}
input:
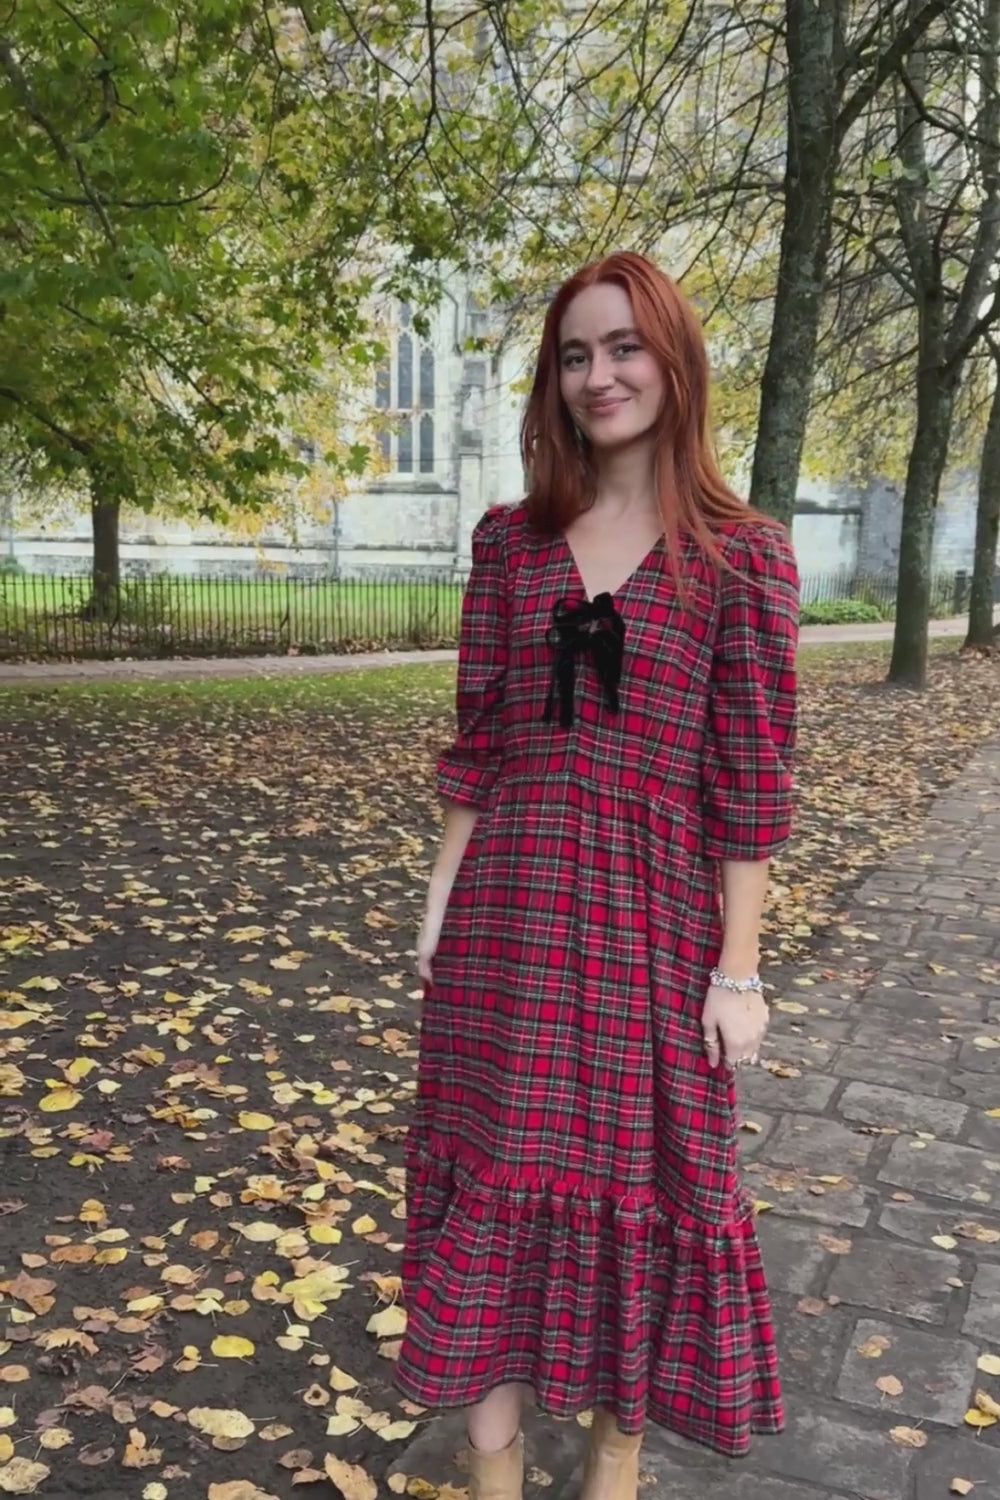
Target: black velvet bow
{"type": "Point", "coordinates": [594, 627]}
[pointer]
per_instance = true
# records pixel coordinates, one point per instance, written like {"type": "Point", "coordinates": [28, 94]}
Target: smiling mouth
{"type": "Point", "coordinates": [600, 408]}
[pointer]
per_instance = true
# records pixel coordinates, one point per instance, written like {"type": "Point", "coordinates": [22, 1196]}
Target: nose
{"type": "Point", "coordinates": [600, 376]}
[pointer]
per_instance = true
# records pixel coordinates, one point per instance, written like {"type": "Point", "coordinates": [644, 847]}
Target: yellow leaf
{"type": "Point", "coordinates": [342, 1425]}
{"type": "Point", "coordinates": [59, 1099]}
{"type": "Point", "coordinates": [252, 1120]}
{"type": "Point", "coordinates": [976, 1418]}
{"type": "Point", "coordinates": [944, 1241]}
{"type": "Point", "coordinates": [988, 1363]}
{"type": "Point", "coordinates": [112, 1257]}
{"type": "Point", "coordinates": [395, 1432]}
{"type": "Point", "coordinates": [961, 1486]}
{"type": "Point", "coordinates": [231, 1346]}
{"type": "Point", "coordinates": [245, 934]}
{"type": "Point", "coordinates": [987, 1404]}
{"type": "Point", "coordinates": [78, 1069]}
{"type": "Point", "coordinates": [365, 1225]}
{"type": "Point", "coordinates": [325, 1234]}
{"type": "Point", "coordinates": [908, 1437]}
{"type": "Point", "coordinates": [389, 1323]}
{"type": "Point", "coordinates": [341, 1381]}
{"type": "Point", "coordinates": [350, 1479]}
{"type": "Point", "coordinates": [41, 982]}
{"type": "Point", "coordinates": [22, 1476]}
{"type": "Point", "coordinates": [6, 1447]}
{"type": "Point", "coordinates": [155, 1491]}
{"type": "Point", "coordinates": [761, 1205]}
{"type": "Point", "coordinates": [259, 1232]}
{"type": "Point", "coordinates": [218, 1421]}
{"type": "Point", "coordinates": [238, 1489]}
{"type": "Point", "coordinates": [14, 1374]}
{"type": "Point", "coordinates": [55, 1438]}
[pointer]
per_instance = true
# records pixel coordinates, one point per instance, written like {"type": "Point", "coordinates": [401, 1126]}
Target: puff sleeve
{"type": "Point", "coordinates": [750, 733]}
{"type": "Point", "coordinates": [469, 767]}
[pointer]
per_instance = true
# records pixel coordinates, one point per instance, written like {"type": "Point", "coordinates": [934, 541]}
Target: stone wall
{"type": "Point", "coordinates": [954, 530]}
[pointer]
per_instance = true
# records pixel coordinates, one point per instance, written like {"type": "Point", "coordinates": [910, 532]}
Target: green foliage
{"type": "Point", "coordinates": [200, 200]}
{"type": "Point", "coordinates": [841, 612]}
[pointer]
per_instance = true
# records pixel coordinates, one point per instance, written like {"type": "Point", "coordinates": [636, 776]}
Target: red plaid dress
{"type": "Point", "coordinates": [575, 1215]}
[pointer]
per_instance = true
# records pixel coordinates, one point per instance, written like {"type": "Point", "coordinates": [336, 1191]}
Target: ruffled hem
{"type": "Point", "coordinates": [591, 1297]}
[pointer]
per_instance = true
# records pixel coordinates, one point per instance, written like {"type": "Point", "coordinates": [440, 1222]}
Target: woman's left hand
{"type": "Point", "coordinates": [733, 1025]}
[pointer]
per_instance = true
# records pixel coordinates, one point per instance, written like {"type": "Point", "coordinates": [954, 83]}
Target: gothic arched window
{"type": "Point", "coordinates": [405, 393]}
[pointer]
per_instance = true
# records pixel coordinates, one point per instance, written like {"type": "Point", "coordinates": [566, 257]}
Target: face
{"type": "Point", "coordinates": [611, 384]}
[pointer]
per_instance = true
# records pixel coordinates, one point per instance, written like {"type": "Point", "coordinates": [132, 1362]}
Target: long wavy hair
{"type": "Point", "coordinates": [694, 499]}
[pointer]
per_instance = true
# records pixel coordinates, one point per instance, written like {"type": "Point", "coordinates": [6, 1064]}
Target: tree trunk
{"type": "Point", "coordinates": [105, 509]}
{"type": "Point", "coordinates": [984, 565]}
{"type": "Point", "coordinates": [928, 456]}
{"type": "Point", "coordinates": [814, 90]}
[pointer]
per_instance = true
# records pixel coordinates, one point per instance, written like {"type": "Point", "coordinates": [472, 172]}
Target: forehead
{"type": "Point", "coordinates": [595, 312]}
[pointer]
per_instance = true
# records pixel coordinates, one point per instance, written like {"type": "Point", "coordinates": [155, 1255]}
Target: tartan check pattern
{"type": "Point", "coordinates": [575, 1214]}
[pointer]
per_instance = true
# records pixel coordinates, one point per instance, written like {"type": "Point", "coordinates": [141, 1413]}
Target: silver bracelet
{"type": "Point", "coordinates": [738, 986]}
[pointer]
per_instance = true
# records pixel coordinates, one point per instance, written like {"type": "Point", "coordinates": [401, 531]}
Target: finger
{"type": "Point", "coordinates": [712, 1047]}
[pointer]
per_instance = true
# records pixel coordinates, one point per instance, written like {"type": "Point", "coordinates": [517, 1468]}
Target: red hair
{"type": "Point", "coordinates": [694, 499]}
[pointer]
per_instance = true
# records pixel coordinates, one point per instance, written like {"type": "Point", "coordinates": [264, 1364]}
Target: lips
{"type": "Point", "coordinates": [604, 408]}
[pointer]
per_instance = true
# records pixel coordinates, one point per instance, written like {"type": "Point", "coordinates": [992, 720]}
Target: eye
{"type": "Point", "coordinates": [627, 349]}
{"type": "Point", "coordinates": [570, 361]}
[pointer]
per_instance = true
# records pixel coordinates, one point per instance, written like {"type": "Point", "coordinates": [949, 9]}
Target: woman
{"type": "Point", "coordinates": [626, 708]}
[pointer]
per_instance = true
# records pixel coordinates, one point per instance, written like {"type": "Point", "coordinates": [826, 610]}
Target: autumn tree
{"type": "Point", "coordinates": [981, 630]}
{"type": "Point", "coordinates": [946, 193]}
{"type": "Point", "coordinates": [200, 202]}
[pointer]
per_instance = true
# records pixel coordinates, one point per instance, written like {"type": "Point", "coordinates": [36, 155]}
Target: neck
{"type": "Point", "coordinates": [626, 480]}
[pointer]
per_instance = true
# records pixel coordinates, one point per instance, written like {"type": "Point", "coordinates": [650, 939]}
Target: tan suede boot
{"type": "Point", "coordinates": [611, 1470]}
{"type": "Point", "coordinates": [497, 1476]}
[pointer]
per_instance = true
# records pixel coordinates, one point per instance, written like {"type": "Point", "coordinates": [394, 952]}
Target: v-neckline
{"type": "Point", "coordinates": [639, 567]}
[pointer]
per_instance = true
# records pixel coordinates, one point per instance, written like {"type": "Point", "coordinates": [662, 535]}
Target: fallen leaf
{"type": "Point", "coordinates": [890, 1385]}
{"type": "Point", "coordinates": [59, 1099]}
{"type": "Point", "coordinates": [22, 1476]}
{"type": "Point", "coordinates": [239, 1489]}
{"type": "Point", "coordinates": [986, 1403]}
{"type": "Point", "coordinates": [251, 1120]}
{"type": "Point", "coordinates": [232, 1346]}
{"type": "Point", "coordinates": [908, 1437]}
{"type": "Point", "coordinates": [961, 1486]}
{"type": "Point", "coordinates": [976, 1418]}
{"type": "Point", "coordinates": [54, 1438]}
{"type": "Point", "coordinates": [388, 1323]}
{"type": "Point", "coordinates": [989, 1364]}
{"type": "Point", "coordinates": [351, 1480]}
{"type": "Point", "coordinates": [874, 1347]}
{"type": "Point", "coordinates": [395, 1432]}
{"type": "Point", "coordinates": [220, 1421]}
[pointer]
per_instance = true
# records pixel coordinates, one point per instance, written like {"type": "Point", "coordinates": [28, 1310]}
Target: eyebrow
{"type": "Point", "coordinates": [606, 338]}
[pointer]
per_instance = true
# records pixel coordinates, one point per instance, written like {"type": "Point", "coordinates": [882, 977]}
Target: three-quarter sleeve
{"type": "Point", "coordinates": [469, 767]}
{"type": "Point", "coordinates": [750, 734]}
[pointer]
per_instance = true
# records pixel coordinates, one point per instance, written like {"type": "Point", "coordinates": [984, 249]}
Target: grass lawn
{"type": "Point", "coordinates": [208, 1037]}
{"type": "Point", "coordinates": [162, 614]}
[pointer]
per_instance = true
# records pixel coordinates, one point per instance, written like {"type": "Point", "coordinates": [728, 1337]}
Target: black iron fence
{"type": "Point", "coordinates": [162, 615]}
{"type": "Point", "coordinates": [846, 596]}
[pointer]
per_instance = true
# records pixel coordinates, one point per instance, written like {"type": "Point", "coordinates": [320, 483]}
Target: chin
{"type": "Point", "coordinates": [615, 434]}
